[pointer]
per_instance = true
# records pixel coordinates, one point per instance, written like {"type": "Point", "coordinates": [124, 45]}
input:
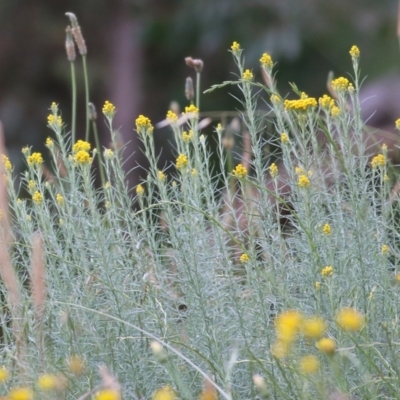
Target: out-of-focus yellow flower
{"type": "Point", "coordinates": [350, 320]}
{"type": "Point", "coordinates": [354, 52]}
{"type": "Point", "coordinates": [165, 393]}
{"type": "Point", "coordinates": [326, 345]}
{"type": "Point", "coordinates": [313, 327]}
{"type": "Point", "coordinates": [309, 364]}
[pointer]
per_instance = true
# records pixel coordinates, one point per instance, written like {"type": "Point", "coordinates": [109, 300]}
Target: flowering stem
{"type": "Point", "coordinates": [85, 74]}
{"type": "Point", "coordinates": [198, 90]}
{"type": "Point", "coordinates": [101, 166]}
{"type": "Point", "coordinates": [73, 81]}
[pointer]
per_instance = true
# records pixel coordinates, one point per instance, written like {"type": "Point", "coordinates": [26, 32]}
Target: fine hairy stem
{"type": "Point", "coordinates": [85, 74]}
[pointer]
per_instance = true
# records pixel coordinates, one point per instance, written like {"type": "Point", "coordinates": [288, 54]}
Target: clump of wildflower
{"type": "Point", "coordinates": [335, 111]}
{"type": "Point", "coordinates": [143, 125]}
{"type": "Point", "coordinates": [48, 382]}
{"type": "Point", "coordinates": [397, 123]}
{"type": "Point", "coordinates": [235, 48]}
{"type": "Point", "coordinates": [181, 162]}
{"type": "Point", "coordinates": [288, 325]}
{"type": "Point", "coordinates": [354, 52]}
{"type": "Point", "coordinates": [303, 104]}
{"type": "Point", "coordinates": [37, 197]}
{"type": "Point", "coordinates": [81, 145]}
{"type": "Point", "coordinates": [171, 116]}
{"type": "Point", "coordinates": [108, 154]}
{"type": "Point", "coordinates": [35, 159]}
{"type": "Point", "coordinates": [326, 102]}
{"type": "Point", "coordinates": [313, 327]}
{"type": "Point", "coordinates": [82, 157]}
{"type": "Point", "coordinates": [350, 320]}
{"type": "Point", "coordinates": [247, 75]}
{"type": "Point", "coordinates": [164, 393]}
{"type": "Point", "coordinates": [59, 199]}
{"type": "Point", "coordinates": [244, 258]}
{"type": "Point", "coordinates": [76, 364]}
{"type": "Point", "coordinates": [108, 109]}
{"type": "Point", "coordinates": [326, 345]}
{"type": "Point", "coordinates": [326, 229]}
{"type": "Point", "coordinates": [187, 136]}
{"type": "Point", "coordinates": [6, 162]}
{"type": "Point", "coordinates": [327, 271]}
{"type": "Point", "coordinates": [309, 364]}
{"type": "Point", "coordinates": [303, 181]}
{"type": "Point", "coordinates": [161, 176]}
{"type": "Point", "coordinates": [108, 394]}
{"type": "Point", "coordinates": [284, 138]}
{"type": "Point", "coordinates": [54, 121]}
{"type": "Point", "coordinates": [385, 249]}
{"type": "Point", "coordinates": [240, 171]}
{"type": "Point", "coordinates": [21, 393]}
{"type": "Point", "coordinates": [266, 61]}
{"type": "Point", "coordinates": [378, 161]}
{"type": "Point", "coordinates": [4, 374]}
{"type": "Point", "coordinates": [139, 190]}
{"type": "Point", "coordinates": [341, 84]}
{"type": "Point", "coordinates": [192, 109]}
{"type": "Point", "coordinates": [49, 143]}
{"type": "Point", "coordinates": [273, 170]}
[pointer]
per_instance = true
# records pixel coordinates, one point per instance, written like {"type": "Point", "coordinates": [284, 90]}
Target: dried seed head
{"type": "Point", "coordinates": [77, 33]}
{"type": "Point", "coordinates": [189, 91]}
{"type": "Point", "coordinates": [196, 64]}
{"type": "Point", "coordinates": [69, 45]}
{"type": "Point", "coordinates": [92, 112]}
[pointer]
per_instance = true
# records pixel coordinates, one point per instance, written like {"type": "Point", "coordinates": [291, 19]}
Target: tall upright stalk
{"type": "Point", "coordinates": [85, 75]}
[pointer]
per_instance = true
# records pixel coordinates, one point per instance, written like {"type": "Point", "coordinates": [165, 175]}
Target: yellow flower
{"type": "Point", "coordinates": [82, 157]}
{"type": "Point", "coordinates": [317, 285]}
{"type": "Point", "coordinates": [48, 382]}
{"type": "Point", "coordinates": [335, 111]}
{"type": "Point", "coordinates": [284, 138]}
{"type": "Point", "coordinates": [171, 116]}
{"type": "Point", "coordinates": [54, 121]}
{"type": "Point", "coordinates": [303, 104]}
{"type": "Point", "coordinates": [288, 325]}
{"type": "Point", "coordinates": [143, 124]}
{"type": "Point", "coordinates": [326, 345]}
{"type": "Point", "coordinates": [181, 162]}
{"type": "Point", "coordinates": [327, 271]}
{"type": "Point", "coordinates": [4, 374]}
{"type": "Point", "coordinates": [108, 154]}
{"type": "Point", "coordinates": [194, 172]}
{"type": "Point", "coordinates": [354, 52]}
{"type": "Point", "coordinates": [37, 197]}
{"type": "Point", "coordinates": [22, 393]}
{"type": "Point", "coordinates": [378, 161]}
{"type": "Point", "coordinates": [6, 162]}
{"type": "Point", "coordinates": [397, 123]}
{"type": "Point", "coordinates": [49, 143]}
{"type": "Point", "coordinates": [273, 170]}
{"type": "Point", "coordinates": [303, 181]}
{"type": "Point", "coordinates": [187, 136]}
{"type": "Point", "coordinates": [266, 61]}
{"type": "Point", "coordinates": [108, 109]}
{"type": "Point", "coordinates": [164, 393]}
{"type": "Point", "coordinates": [240, 171]}
{"type": "Point", "coordinates": [349, 319]}
{"type": "Point", "coordinates": [280, 349]}
{"type": "Point", "coordinates": [326, 102]}
{"type": "Point", "coordinates": [235, 47]}
{"type": "Point", "coordinates": [192, 109]}
{"type": "Point", "coordinates": [139, 190]}
{"type": "Point", "coordinates": [60, 199]}
{"type": "Point", "coordinates": [247, 75]}
{"type": "Point", "coordinates": [326, 229]}
{"type": "Point", "coordinates": [31, 185]}
{"type": "Point", "coordinates": [313, 327]}
{"type": "Point", "coordinates": [275, 99]}
{"type": "Point", "coordinates": [341, 84]}
{"type": "Point", "coordinates": [385, 249]}
{"type": "Point", "coordinates": [76, 364]}
{"type": "Point", "coordinates": [108, 394]}
{"type": "Point", "coordinates": [244, 258]}
{"type": "Point", "coordinates": [309, 364]}
{"type": "Point", "coordinates": [81, 145]}
{"type": "Point", "coordinates": [35, 159]}
{"type": "Point", "coordinates": [161, 176]}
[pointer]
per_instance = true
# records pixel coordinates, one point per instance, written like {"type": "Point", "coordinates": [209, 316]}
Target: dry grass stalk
{"type": "Point", "coordinates": [109, 381]}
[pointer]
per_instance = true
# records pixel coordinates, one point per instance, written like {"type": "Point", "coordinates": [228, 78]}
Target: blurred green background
{"type": "Point", "coordinates": [136, 51]}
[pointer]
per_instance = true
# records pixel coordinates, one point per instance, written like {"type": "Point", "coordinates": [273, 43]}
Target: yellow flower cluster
{"type": "Point", "coordinates": [4, 374]}
{"type": "Point", "coordinates": [164, 393]}
{"type": "Point", "coordinates": [59, 199]}
{"type": "Point", "coordinates": [284, 138]}
{"type": "Point", "coordinates": [108, 154]}
{"type": "Point", "coordinates": [187, 136]}
{"type": "Point", "coordinates": [108, 394]}
{"type": "Point", "coordinates": [378, 161]}
{"type": "Point", "coordinates": [247, 75]}
{"type": "Point", "coordinates": [108, 109]}
{"type": "Point", "coordinates": [144, 124]}
{"type": "Point", "coordinates": [81, 145]}
{"type": "Point", "coordinates": [54, 121]}
{"type": "Point", "coordinates": [313, 327]}
{"type": "Point", "coordinates": [244, 258]}
{"type": "Point", "coordinates": [240, 171]}
{"type": "Point", "coordinates": [139, 190]}
{"type": "Point", "coordinates": [35, 159]}
{"type": "Point", "coordinates": [266, 61]}
{"type": "Point", "coordinates": [327, 271]}
{"type": "Point", "coordinates": [309, 364]}
{"type": "Point", "coordinates": [171, 116]}
{"type": "Point", "coordinates": [49, 143]}
{"type": "Point", "coordinates": [326, 102]}
{"type": "Point", "coordinates": [303, 181]}
{"type": "Point", "coordinates": [161, 176]}
{"type": "Point", "coordinates": [354, 52]}
{"type": "Point", "coordinates": [50, 382]}
{"type": "Point", "coordinates": [303, 104]}
{"type": "Point", "coordinates": [20, 393]}
{"type": "Point", "coordinates": [181, 161]}
{"type": "Point", "coordinates": [397, 123]}
{"type": "Point", "coordinates": [385, 249]}
{"type": "Point", "coordinates": [235, 47]}
{"type": "Point", "coordinates": [326, 229]}
{"type": "Point", "coordinates": [273, 170]}
{"type": "Point", "coordinates": [76, 364]}
{"type": "Point", "coordinates": [192, 109]}
{"type": "Point", "coordinates": [6, 162]}
{"type": "Point", "coordinates": [82, 157]}
{"type": "Point", "coordinates": [31, 185]}
{"type": "Point", "coordinates": [275, 99]}
{"type": "Point", "coordinates": [37, 197]}
{"type": "Point", "coordinates": [335, 111]}
{"type": "Point", "coordinates": [350, 320]}
{"type": "Point", "coordinates": [341, 84]}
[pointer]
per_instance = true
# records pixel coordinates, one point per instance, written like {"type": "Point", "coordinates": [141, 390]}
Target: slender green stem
{"type": "Point", "coordinates": [85, 74]}
{"type": "Point", "coordinates": [99, 153]}
{"type": "Point", "coordinates": [198, 90]}
{"type": "Point", "coordinates": [73, 81]}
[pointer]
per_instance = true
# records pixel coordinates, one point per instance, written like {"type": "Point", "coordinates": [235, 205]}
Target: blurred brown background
{"type": "Point", "coordinates": [136, 51]}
